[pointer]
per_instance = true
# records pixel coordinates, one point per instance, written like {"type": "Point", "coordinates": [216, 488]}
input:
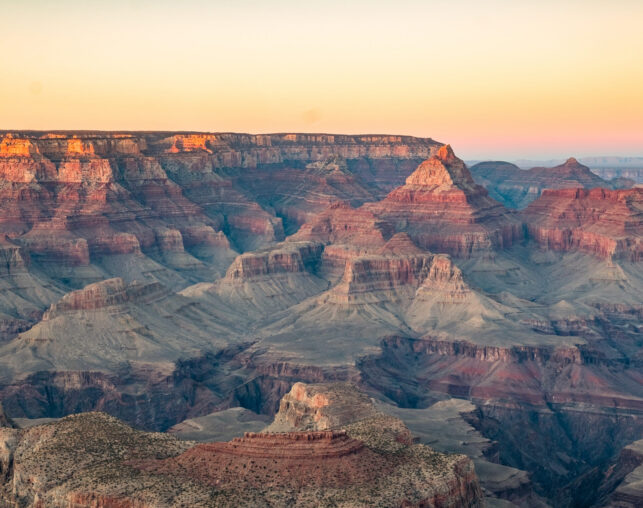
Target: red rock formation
{"type": "Point", "coordinates": [521, 374]}
{"type": "Point", "coordinates": [249, 151]}
{"type": "Point", "coordinates": [517, 188]}
{"type": "Point", "coordinates": [98, 185]}
{"type": "Point", "coordinates": [342, 224]}
{"type": "Point", "coordinates": [286, 460]}
{"type": "Point", "coordinates": [73, 200]}
{"type": "Point", "coordinates": [93, 460]}
{"type": "Point", "coordinates": [297, 195]}
{"type": "Point", "coordinates": [369, 456]}
{"type": "Point", "coordinates": [190, 143]}
{"type": "Point", "coordinates": [293, 257]}
{"type": "Point", "coordinates": [373, 278]}
{"type": "Point", "coordinates": [443, 210]}
{"type": "Point", "coordinates": [103, 294]}
{"type": "Point", "coordinates": [11, 146]}
{"type": "Point", "coordinates": [606, 223]}
{"type": "Point", "coordinates": [51, 242]}
{"type": "Point", "coordinates": [349, 232]}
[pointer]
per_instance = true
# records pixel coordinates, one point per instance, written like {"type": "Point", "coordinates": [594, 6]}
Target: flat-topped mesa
{"type": "Point", "coordinates": [399, 275]}
{"type": "Point", "coordinates": [231, 149]}
{"type": "Point", "coordinates": [88, 145]}
{"type": "Point", "coordinates": [105, 293]}
{"type": "Point", "coordinates": [606, 223]}
{"type": "Point", "coordinates": [299, 446]}
{"type": "Point", "coordinates": [287, 257]}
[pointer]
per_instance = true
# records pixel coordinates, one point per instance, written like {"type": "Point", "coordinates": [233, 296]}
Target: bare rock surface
{"type": "Point", "coordinates": [516, 188]}
{"type": "Point", "coordinates": [628, 476]}
{"type": "Point", "coordinates": [94, 460]}
{"type": "Point", "coordinates": [150, 275]}
{"type": "Point", "coordinates": [606, 223]}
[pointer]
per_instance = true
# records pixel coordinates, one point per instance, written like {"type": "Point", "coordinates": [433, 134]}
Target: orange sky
{"type": "Point", "coordinates": [496, 79]}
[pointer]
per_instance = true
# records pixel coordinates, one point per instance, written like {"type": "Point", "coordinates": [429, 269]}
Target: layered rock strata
{"type": "Point", "coordinates": [605, 223]}
{"type": "Point", "coordinates": [516, 188]}
{"type": "Point", "coordinates": [95, 460]}
{"type": "Point", "coordinates": [629, 471]}
{"type": "Point", "coordinates": [443, 210]}
{"type": "Point", "coordinates": [440, 207]}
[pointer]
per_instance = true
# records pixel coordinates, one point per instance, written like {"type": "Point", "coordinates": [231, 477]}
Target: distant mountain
{"type": "Point", "coordinates": [606, 161]}
{"type": "Point", "coordinates": [516, 188]}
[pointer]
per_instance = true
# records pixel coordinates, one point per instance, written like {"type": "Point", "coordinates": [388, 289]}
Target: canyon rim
{"type": "Point", "coordinates": [333, 254]}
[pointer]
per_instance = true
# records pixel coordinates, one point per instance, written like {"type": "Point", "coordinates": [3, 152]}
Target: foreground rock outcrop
{"type": "Point", "coordinates": [368, 458]}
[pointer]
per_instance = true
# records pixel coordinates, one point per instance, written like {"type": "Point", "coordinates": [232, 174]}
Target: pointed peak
{"type": "Point", "coordinates": [445, 154]}
{"type": "Point", "coordinates": [572, 162]}
{"type": "Point", "coordinates": [443, 169]}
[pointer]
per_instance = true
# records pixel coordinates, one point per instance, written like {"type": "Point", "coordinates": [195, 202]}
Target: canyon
{"type": "Point", "coordinates": [189, 284]}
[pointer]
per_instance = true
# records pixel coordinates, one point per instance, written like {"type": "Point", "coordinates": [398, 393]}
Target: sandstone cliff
{"type": "Point", "coordinates": [602, 222]}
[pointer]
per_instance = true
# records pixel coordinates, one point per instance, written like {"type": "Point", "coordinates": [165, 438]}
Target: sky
{"type": "Point", "coordinates": [497, 79]}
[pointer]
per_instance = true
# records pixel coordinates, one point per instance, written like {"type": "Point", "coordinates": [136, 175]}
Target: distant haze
{"type": "Point", "coordinates": [592, 162]}
{"type": "Point", "coordinates": [497, 79]}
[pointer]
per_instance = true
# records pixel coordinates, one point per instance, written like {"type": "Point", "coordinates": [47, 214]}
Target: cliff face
{"type": "Point", "coordinates": [602, 222]}
{"type": "Point", "coordinates": [627, 475]}
{"type": "Point", "coordinates": [173, 208]}
{"type": "Point", "coordinates": [395, 272]}
{"type": "Point", "coordinates": [523, 391]}
{"type": "Point", "coordinates": [92, 185]}
{"type": "Point", "coordinates": [292, 257]}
